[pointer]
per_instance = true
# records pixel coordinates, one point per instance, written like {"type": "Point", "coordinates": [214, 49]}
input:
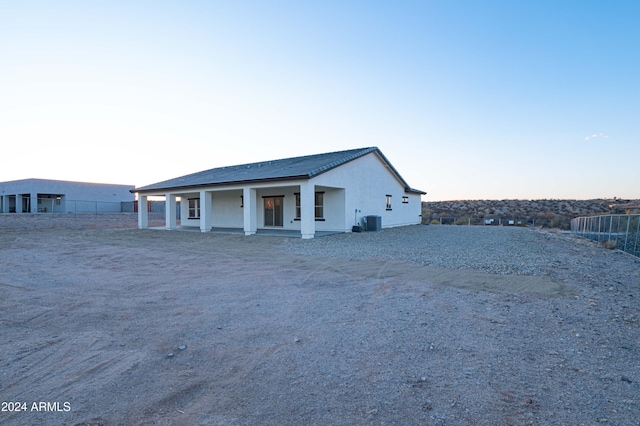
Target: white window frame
{"type": "Point", "coordinates": [319, 206]}
{"type": "Point", "coordinates": [194, 208]}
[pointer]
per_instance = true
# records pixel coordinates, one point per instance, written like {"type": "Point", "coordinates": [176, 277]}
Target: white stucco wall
{"type": "Point", "coordinates": [334, 210]}
{"type": "Point", "coordinates": [184, 209]}
{"type": "Point", "coordinates": [227, 210]}
{"type": "Point", "coordinates": [367, 183]}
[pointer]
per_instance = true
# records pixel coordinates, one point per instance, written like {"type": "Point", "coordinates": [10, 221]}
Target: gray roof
{"type": "Point", "coordinates": [305, 167]}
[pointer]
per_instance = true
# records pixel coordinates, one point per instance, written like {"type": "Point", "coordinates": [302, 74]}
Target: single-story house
{"type": "Point", "coordinates": [57, 196]}
{"type": "Point", "coordinates": [329, 192]}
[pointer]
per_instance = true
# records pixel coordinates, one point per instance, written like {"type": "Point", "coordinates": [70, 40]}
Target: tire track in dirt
{"type": "Point", "coordinates": [274, 338]}
{"type": "Point", "coordinates": [62, 368]}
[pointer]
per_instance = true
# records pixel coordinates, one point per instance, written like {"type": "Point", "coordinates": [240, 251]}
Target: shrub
{"type": "Point", "coordinates": [560, 222]}
{"type": "Point", "coordinates": [462, 221]}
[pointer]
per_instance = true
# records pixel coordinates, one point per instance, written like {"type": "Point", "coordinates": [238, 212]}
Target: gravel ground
{"type": "Point", "coordinates": [436, 325]}
{"type": "Point", "coordinates": [495, 250]}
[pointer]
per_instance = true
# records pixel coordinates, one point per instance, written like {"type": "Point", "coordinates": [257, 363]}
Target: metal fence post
{"type": "Point", "coordinates": [599, 223]}
{"type": "Point", "coordinates": [626, 235]}
{"type": "Point", "coordinates": [635, 246]}
{"type": "Point", "coordinates": [586, 225]}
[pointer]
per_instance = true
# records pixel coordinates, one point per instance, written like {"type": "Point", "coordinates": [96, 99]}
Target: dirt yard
{"type": "Point", "coordinates": [127, 326]}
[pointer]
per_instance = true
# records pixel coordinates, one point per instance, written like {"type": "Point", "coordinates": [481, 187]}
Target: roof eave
{"type": "Point", "coordinates": [217, 184]}
{"type": "Point", "coordinates": [414, 191]}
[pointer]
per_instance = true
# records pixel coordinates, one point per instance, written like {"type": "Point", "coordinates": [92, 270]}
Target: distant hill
{"type": "Point", "coordinates": [539, 213]}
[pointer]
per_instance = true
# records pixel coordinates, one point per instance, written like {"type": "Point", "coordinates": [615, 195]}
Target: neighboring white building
{"type": "Point", "coordinates": [56, 196]}
{"type": "Point", "coordinates": [329, 192]}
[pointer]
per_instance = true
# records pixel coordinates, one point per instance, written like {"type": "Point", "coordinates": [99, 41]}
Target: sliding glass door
{"type": "Point", "coordinates": [273, 211]}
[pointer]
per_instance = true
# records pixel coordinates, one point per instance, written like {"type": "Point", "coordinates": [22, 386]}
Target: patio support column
{"type": "Point", "coordinates": [206, 211]}
{"type": "Point", "coordinates": [170, 212]}
{"type": "Point", "coordinates": [307, 210]}
{"type": "Point", "coordinates": [34, 202]}
{"type": "Point", "coordinates": [143, 212]}
{"type": "Point", "coordinates": [249, 203]}
{"type": "Point", "coordinates": [5, 204]}
{"type": "Point", "coordinates": [18, 203]}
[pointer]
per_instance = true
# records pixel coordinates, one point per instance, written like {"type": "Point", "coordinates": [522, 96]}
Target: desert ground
{"type": "Point", "coordinates": [110, 325]}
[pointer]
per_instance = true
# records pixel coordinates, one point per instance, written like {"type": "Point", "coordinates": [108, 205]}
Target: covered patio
{"type": "Point", "coordinates": [296, 209]}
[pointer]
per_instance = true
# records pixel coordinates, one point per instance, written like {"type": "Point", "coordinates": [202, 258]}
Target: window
{"type": "Point", "coordinates": [273, 212]}
{"type": "Point", "coordinates": [388, 202]}
{"type": "Point", "coordinates": [318, 208]}
{"type": "Point", "coordinates": [319, 205]}
{"type": "Point", "coordinates": [405, 199]}
{"type": "Point", "coordinates": [194, 208]}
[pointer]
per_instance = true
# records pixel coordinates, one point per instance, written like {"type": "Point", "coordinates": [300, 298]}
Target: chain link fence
{"type": "Point", "coordinates": [615, 231]}
{"type": "Point", "coordinates": [472, 221]}
{"type": "Point", "coordinates": [62, 205]}
{"type": "Point", "coordinates": [53, 212]}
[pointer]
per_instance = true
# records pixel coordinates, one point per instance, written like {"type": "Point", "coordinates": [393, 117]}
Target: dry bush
{"type": "Point", "coordinates": [609, 244]}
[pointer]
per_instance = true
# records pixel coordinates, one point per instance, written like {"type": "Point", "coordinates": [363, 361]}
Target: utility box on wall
{"type": "Point", "coordinates": [374, 223]}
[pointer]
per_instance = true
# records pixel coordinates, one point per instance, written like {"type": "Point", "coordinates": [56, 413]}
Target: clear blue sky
{"type": "Point", "coordinates": [468, 99]}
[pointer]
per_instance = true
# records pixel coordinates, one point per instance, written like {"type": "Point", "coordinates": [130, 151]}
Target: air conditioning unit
{"type": "Point", "coordinates": [374, 223]}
